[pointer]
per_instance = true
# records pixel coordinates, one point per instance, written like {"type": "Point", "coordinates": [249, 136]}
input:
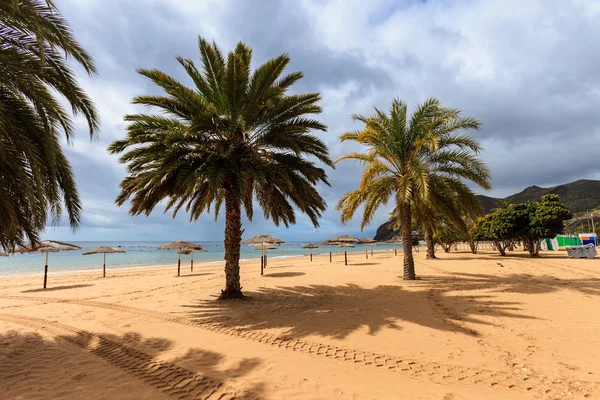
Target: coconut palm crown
{"type": "Point", "coordinates": [236, 137]}
{"type": "Point", "coordinates": [36, 180]}
{"type": "Point", "coordinates": [418, 160]}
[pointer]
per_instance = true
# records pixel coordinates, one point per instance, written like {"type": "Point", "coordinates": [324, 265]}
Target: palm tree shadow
{"type": "Point", "coordinates": [337, 311]}
{"type": "Point", "coordinates": [130, 354]}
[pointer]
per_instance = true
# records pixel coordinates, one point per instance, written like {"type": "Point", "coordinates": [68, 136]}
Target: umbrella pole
{"type": "Point", "coordinates": [46, 271]}
{"type": "Point", "coordinates": [310, 255]}
{"type": "Point", "coordinates": [366, 253]}
{"type": "Point", "coordinates": [329, 253]}
{"type": "Point", "coordinates": [104, 267]}
{"type": "Point", "coordinates": [345, 255]}
{"type": "Point", "coordinates": [192, 263]}
{"type": "Point", "coordinates": [262, 264]}
{"type": "Point", "coordinates": [371, 252]}
{"type": "Point", "coordinates": [265, 251]}
{"type": "Point", "coordinates": [395, 250]}
{"type": "Point", "coordinates": [178, 264]}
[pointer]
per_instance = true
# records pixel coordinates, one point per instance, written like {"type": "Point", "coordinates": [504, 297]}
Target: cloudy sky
{"type": "Point", "coordinates": [527, 69]}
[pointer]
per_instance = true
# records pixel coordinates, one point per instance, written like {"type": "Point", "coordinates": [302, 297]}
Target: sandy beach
{"type": "Point", "coordinates": [467, 329]}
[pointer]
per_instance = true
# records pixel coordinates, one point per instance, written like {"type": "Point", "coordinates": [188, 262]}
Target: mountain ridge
{"type": "Point", "coordinates": [579, 196]}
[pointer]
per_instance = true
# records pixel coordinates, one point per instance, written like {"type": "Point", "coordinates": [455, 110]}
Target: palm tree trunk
{"type": "Point", "coordinates": [409, 263]}
{"type": "Point", "coordinates": [233, 238]}
{"type": "Point", "coordinates": [429, 242]}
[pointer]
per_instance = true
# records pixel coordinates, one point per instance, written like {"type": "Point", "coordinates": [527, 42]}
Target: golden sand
{"type": "Point", "coordinates": [467, 329]}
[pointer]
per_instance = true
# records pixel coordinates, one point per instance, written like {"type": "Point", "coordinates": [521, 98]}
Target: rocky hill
{"type": "Point", "coordinates": [579, 196]}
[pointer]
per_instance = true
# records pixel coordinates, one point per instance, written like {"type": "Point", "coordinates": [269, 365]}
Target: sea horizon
{"type": "Point", "coordinates": [146, 254]}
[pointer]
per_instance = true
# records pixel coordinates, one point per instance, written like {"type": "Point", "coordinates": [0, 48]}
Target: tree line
{"type": "Point", "coordinates": [508, 224]}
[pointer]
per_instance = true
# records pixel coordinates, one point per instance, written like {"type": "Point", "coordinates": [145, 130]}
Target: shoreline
{"type": "Point", "coordinates": [156, 266]}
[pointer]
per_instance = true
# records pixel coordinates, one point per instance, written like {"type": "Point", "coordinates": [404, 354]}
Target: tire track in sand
{"type": "Point", "coordinates": [524, 380]}
{"type": "Point", "coordinates": [163, 376]}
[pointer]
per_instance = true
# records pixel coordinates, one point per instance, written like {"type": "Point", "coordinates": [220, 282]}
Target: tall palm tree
{"type": "Point", "coordinates": [410, 159]}
{"type": "Point", "coordinates": [35, 177]}
{"type": "Point", "coordinates": [236, 137]}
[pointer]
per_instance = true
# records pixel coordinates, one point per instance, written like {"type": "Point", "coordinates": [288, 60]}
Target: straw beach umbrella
{"type": "Point", "coordinates": [310, 246]}
{"type": "Point", "coordinates": [344, 240]}
{"type": "Point", "coordinates": [368, 242]}
{"type": "Point", "coordinates": [103, 250]}
{"type": "Point", "coordinates": [178, 245]}
{"type": "Point", "coordinates": [263, 241]}
{"type": "Point", "coordinates": [395, 240]}
{"type": "Point", "coordinates": [47, 246]}
{"type": "Point", "coordinates": [188, 251]}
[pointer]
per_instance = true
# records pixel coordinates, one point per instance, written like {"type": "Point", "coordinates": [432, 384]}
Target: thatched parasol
{"type": "Point", "coordinates": [103, 250]}
{"type": "Point", "coordinates": [368, 242]}
{"type": "Point", "coordinates": [188, 251]}
{"type": "Point", "coordinates": [263, 241]}
{"type": "Point", "coordinates": [343, 240]}
{"type": "Point", "coordinates": [395, 240]}
{"type": "Point", "coordinates": [266, 247]}
{"type": "Point", "coordinates": [179, 245]}
{"type": "Point", "coordinates": [259, 240]}
{"type": "Point", "coordinates": [47, 246]}
{"type": "Point", "coordinates": [310, 246]}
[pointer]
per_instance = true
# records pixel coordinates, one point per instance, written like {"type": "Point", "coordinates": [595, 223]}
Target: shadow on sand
{"type": "Point", "coordinates": [192, 275]}
{"type": "Point", "coordinates": [54, 288]}
{"type": "Point", "coordinates": [337, 311]}
{"type": "Point", "coordinates": [515, 283]}
{"type": "Point", "coordinates": [98, 361]}
{"type": "Point", "coordinates": [284, 274]}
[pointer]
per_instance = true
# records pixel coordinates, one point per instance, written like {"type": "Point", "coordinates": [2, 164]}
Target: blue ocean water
{"type": "Point", "coordinates": [144, 254]}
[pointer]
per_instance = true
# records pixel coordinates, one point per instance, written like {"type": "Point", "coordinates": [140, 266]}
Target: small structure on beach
{"type": "Point", "coordinates": [344, 241]}
{"type": "Point", "coordinates": [103, 250]}
{"type": "Point", "coordinates": [47, 246]}
{"type": "Point", "coordinates": [310, 246]}
{"type": "Point", "coordinates": [180, 245]}
{"type": "Point", "coordinates": [263, 249]}
{"type": "Point", "coordinates": [188, 251]}
{"type": "Point", "coordinates": [368, 242]}
{"type": "Point", "coordinates": [263, 242]}
{"type": "Point", "coordinates": [395, 240]}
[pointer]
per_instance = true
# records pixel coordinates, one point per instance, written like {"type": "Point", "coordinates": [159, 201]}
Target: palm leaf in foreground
{"type": "Point", "coordinates": [36, 180]}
